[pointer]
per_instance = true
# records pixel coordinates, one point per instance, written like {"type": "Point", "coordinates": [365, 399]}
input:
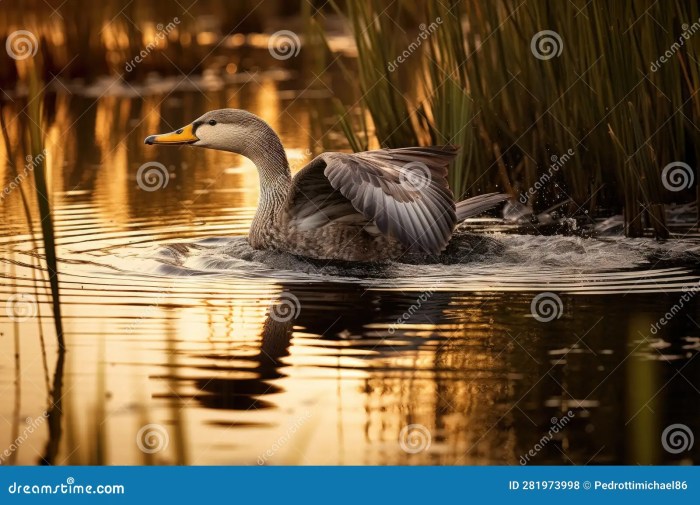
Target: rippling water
{"type": "Point", "coordinates": [185, 346]}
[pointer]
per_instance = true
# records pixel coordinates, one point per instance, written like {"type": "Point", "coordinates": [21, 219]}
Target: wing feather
{"type": "Point", "coordinates": [380, 186]}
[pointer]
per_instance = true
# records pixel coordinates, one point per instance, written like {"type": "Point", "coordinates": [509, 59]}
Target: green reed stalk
{"type": "Point", "coordinates": [28, 216]}
{"type": "Point", "coordinates": [38, 158]}
{"type": "Point", "coordinates": [476, 82]}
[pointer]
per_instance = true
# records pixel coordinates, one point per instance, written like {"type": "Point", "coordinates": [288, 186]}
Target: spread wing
{"type": "Point", "coordinates": [478, 204]}
{"type": "Point", "coordinates": [403, 192]}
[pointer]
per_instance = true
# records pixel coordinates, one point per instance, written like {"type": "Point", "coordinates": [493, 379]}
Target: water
{"type": "Point", "coordinates": [187, 347]}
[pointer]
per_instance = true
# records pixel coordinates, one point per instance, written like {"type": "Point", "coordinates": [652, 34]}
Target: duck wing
{"type": "Point", "coordinates": [404, 192]}
{"type": "Point", "coordinates": [478, 204]}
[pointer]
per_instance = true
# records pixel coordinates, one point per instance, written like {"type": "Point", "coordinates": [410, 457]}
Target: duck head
{"type": "Point", "coordinates": [232, 130]}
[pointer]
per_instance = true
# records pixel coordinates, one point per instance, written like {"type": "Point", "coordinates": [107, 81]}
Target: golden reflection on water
{"type": "Point", "coordinates": [201, 359]}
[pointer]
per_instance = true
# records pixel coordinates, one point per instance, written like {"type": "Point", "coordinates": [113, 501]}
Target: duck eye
{"type": "Point", "coordinates": [212, 122]}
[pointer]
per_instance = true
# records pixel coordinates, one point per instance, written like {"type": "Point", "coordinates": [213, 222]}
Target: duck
{"type": "Point", "coordinates": [371, 206]}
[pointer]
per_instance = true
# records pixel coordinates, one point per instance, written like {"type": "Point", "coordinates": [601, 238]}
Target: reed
{"type": "Point", "coordinates": [36, 141]}
{"type": "Point", "coordinates": [36, 261]}
{"type": "Point", "coordinates": [476, 81]}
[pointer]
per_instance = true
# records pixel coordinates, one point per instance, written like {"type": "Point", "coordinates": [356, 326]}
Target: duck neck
{"type": "Point", "coordinates": [275, 181]}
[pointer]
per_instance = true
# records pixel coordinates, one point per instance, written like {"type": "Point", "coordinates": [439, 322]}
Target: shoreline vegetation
{"type": "Point", "coordinates": [518, 86]}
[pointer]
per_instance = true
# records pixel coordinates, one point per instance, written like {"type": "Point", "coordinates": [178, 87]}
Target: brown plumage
{"type": "Point", "coordinates": [368, 206]}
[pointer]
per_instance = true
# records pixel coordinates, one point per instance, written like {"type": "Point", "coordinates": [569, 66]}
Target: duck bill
{"type": "Point", "coordinates": [184, 135]}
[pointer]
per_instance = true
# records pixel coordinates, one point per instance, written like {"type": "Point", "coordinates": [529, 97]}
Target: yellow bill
{"type": "Point", "coordinates": [184, 135]}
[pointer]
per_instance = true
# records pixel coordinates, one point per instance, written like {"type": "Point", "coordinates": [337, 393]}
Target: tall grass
{"type": "Point", "coordinates": [34, 118]}
{"type": "Point", "coordinates": [475, 81]}
{"type": "Point", "coordinates": [28, 216]}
